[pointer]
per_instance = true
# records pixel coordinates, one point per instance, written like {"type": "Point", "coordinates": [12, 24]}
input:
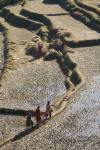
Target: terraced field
{"type": "Point", "coordinates": [94, 3]}
{"type": "Point", "coordinates": [61, 19]}
{"type": "Point", "coordinates": [67, 73]}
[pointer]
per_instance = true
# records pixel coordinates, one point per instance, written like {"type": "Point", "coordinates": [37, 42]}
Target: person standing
{"type": "Point", "coordinates": [38, 115]}
{"type": "Point", "coordinates": [48, 110]}
{"type": "Point", "coordinates": [29, 121]}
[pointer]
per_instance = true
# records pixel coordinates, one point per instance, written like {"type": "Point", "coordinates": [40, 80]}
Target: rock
{"type": "Point", "coordinates": [52, 54]}
{"type": "Point", "coordinates": [44, 29]}
{"type": "Point", "coordinates": [37, 49]}
{"type": "Point", "coordinates": [36, 39]}
{"type": "Point", "coordinates": [31, 48]}
{"type": "Point", "coordinates": [43, 33]}
{"type": "Point", "coordinates": [57, 44]}
{"type": "Point", "coordinates": [67, 49]}
{"type": "Point", "coordinates": [61, 33]}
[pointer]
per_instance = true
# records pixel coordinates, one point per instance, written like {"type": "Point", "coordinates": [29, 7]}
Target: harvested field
{"type": "Point", "coordinates": [10, 125]}
{"type": "Point", "coordinates": [32, 84]}
{"type": "Point", "coordinates": [50, 52]}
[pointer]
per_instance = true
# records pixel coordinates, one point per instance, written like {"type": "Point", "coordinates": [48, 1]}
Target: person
{"type": "Point", "coordinates": [38, 115]}
{"type": "Point", "coordinates": [48, 110]}
{"type": "Point", "coordinates": [29, 121]}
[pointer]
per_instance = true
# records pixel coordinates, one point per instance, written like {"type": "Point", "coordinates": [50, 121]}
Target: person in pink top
{"type": "Point", "coordinates": [38, 115]}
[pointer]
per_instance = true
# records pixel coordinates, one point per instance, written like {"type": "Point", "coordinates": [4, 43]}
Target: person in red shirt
{"type": "Point", "coordinates": [38, 115]}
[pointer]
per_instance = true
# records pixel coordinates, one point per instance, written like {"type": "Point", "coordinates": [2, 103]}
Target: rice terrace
{"type": "Point", "coordinates": [49, 74]}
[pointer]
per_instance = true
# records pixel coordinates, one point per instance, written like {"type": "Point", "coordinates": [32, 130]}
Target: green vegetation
{"type": "Point", "coordinates": [4, 3]}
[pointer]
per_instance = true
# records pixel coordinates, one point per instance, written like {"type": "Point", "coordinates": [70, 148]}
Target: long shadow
{"type": "Point", "coordinates": [15, 112]}
{"type": "Point", "coordinates": [51, 1]}
{"type": "Point", "coordinates": [27, 131]}
{"type": "Point", "coordinates": [24, 133]}
{"type": "Point", "coordinates": [20, 22]}
{"type": "Point", "coordinates": [85, 43]}
{"type": "Point", "coordinates": [58, 14]}
{"type": "Point", "coordinates": [37, 17]}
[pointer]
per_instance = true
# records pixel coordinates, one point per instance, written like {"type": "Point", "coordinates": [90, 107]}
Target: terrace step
{"type": "Point", "coordinates": [88, 7]}
{"type": "Point", "coordinates": [38, 17]}
{"type": "Point", "coordinates": [81, 34]}
{"type": "Point", "coordinates": [20, 21]}
{"type": "Point", "coordinates": [83, 15]}
{"type": "Point", "coordinates": [90, 14]}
